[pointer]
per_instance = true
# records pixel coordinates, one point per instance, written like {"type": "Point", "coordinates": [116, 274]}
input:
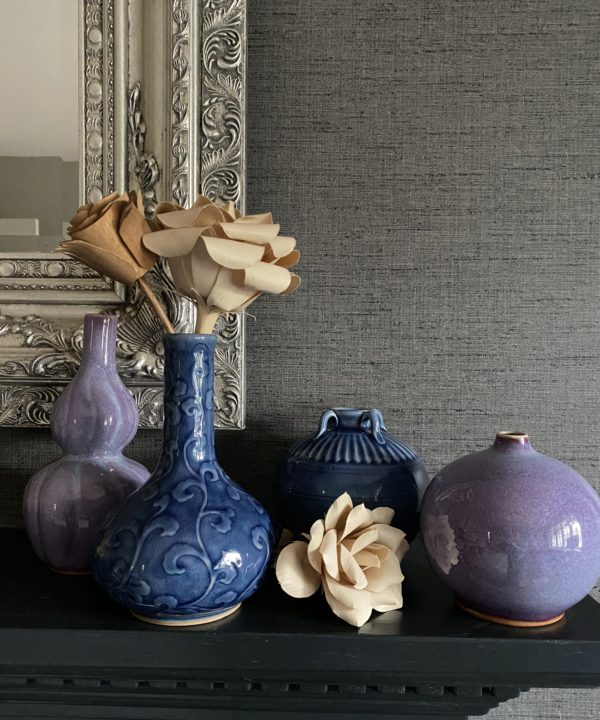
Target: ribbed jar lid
{"type": "Point", "coordinates": [354, 437]}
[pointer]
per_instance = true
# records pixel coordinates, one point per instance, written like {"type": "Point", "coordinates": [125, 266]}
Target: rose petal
{"type": "Point", "coordinates": [229, 210]}
{"type": "Point", "coordinates": [317, 531]}
{"type": "Point", "coordinates": [256, 233]}
{"type": "Point", "coordinates": [232, 254]}
{"type": "Point", "coordinates": [287, 261]}
{"type": "Point", "coordinates": [348, 596]}
{"type": "Point", "coordinates": [99, 205]}
{"type": "Point", "coordinates": [137, 199]}
{"type": "Point", "coordinates": [363, 539]}
{"type": "Point", "coordinates": [102, 230]}
{"type": "Point", "coordinates": [294, 573]}
{"type": "Point", "coordinates": [265, 277]}
{"type": "Point", "coordinates": [389, 599]}
{"type": "Point", "coordinates": [178, 219]}
{"type": "Point", "coordinates": [367, 559]}
{"type": "Point", "coordinates": [86, 222]}
{"type": "Point", "coordinates": [281, 246]}
{"type": "Point", "coordinates": [172, 243]}
{"type": "Point", "coordinates": [382, 515]}
{"type": "Point", "coordinates": [351, 569]}
{"type": "Point", "coordinates": [209, 215]}
{"type": "Point", "coordinates": [182, 275]}
{"type": "Point", "coordinates": [329, 553]}
{"type": "Point", "coordinates": [80, 215]}
{"type": "Point", "coordinates": [338, 511]}
{"type": "Point", "coordinates": [380, 550]}
{"type": "Point", "coordinates": [103, 261]}
{"type": "Point", "coordinates": [203, 269]}
{"type": "Point", "coordinates": [166, 207]}
{"type": "Point", "coordinates": [389, 573]}
{"type": "Point", "coordinates": [294, 284]}
{"type": "Point", "coordinates": [358, 518]}
{"type": "Point", "coordinates": [131, 228]}
{"type": "Point", "coordinates": [201, 201]}
{"type": "Point", "coordinates": [389, 536]}
{"type": "Point", "coordinates": [265, 218]}
{"type": "Point", "coordinates": [353, 616]}
{"type": "Point", "coordinates": [228, 293]}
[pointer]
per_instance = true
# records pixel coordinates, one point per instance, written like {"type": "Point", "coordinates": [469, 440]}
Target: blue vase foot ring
{"type": "Point", "coordinates": [203, 619]}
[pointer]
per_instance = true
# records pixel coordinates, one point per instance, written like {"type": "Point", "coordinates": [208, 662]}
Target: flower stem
{"type": "Point", "coordinates": [158, 308]}
{"type": "Point", "coordinates": [205, 321]}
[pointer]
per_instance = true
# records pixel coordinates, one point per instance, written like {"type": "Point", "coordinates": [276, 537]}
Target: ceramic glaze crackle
{"type": "Point", "coordinates": [191, 545]}
{"type": "Point", "coordinates": [93, 420]}
{"type": "Point", "coordinates": [513, 533]}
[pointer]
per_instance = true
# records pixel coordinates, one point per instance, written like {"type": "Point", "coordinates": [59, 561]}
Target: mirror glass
{"type": "Point", "coordinates": [39, 169]}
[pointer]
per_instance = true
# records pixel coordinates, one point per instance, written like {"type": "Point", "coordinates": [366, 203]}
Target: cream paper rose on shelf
{"type": "Point", "coordinates": [221, 259]}
{"type": "Point", "coordinates": [354, 554]}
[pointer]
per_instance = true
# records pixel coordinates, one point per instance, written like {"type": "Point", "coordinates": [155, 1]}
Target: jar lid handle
{"type": "Point", "coordinates": [372, 421]}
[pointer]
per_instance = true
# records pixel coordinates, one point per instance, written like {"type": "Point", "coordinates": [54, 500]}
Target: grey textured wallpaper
{"type": "Point", "coordinates": [439, 163]}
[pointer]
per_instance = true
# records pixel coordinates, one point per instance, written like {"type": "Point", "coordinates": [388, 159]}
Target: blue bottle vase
{"type": "Point", "coordinates": [191, 546]}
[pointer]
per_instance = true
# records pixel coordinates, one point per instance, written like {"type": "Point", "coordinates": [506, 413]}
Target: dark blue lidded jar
{"type": "Point", "coordinates": [351, 452]}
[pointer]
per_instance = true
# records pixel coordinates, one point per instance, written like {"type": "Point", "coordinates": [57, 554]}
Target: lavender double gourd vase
{"type": "Point", "coordinates": [93, 420]}
{"type": "Point", "coordinates": [190, 546]}
{"type": "Point", "coordinates": [513, 533]}
{"type": "Point", "coordinates": [350, 452]}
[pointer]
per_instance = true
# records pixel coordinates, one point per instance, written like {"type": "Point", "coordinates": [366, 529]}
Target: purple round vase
{"type": "Point", "coordinates": [93, 420]}
{"type": "Point", "coordinates": [513, 533]}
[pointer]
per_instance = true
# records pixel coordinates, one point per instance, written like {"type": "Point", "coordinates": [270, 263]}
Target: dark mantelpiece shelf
{"type": "Point", "coordinates": [67, 652]}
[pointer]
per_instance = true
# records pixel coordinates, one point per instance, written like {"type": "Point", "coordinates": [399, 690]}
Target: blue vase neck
{"type": "Point", "coordinates": [349, 419]}
{"type": "Point", "coordinates": [189, 399]}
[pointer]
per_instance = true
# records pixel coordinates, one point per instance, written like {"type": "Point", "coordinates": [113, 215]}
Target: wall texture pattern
{"type": "Point", "coordinates": [439, 163]}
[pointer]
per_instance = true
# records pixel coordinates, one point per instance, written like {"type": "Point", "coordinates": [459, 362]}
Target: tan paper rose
{"type": "Point", "coordinates": [107, 237]}
{"type": "Point", "coordinates": [220, 259]}
{"type": "Point", "coordinates": [355, 555]}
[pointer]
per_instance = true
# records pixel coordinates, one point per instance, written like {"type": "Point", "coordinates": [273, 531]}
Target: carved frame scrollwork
{"type": "Point", "coordinates": [43, 297]}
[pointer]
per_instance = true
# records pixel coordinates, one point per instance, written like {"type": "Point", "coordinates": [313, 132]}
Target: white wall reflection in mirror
{"type": "Point", "coordinates": [39, 170]}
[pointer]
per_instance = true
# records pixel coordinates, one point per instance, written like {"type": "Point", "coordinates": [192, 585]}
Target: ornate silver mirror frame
{"type": "Point", "coordinates": [162, 108]}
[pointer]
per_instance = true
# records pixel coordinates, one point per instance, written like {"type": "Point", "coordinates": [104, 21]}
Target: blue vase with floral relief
{"type": "Point", "coordinates": [191, 545]}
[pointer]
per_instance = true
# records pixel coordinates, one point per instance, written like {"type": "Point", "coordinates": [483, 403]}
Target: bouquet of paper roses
{"type": "Point", "coordinates": [219, 258]}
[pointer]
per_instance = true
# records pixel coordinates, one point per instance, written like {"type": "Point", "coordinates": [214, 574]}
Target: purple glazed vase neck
{"type": "Point", "coordinates": [99, 341]}
{"type": "Point", "coordinates": [513, 442]}
{"type": "Point", "coordinates": [96, 414]}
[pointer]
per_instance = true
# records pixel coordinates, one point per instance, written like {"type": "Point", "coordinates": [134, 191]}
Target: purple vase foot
{"type": "Point", "coordinates": [509, 621]}
{"type": "Point", "coordinates": [69, 572]}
